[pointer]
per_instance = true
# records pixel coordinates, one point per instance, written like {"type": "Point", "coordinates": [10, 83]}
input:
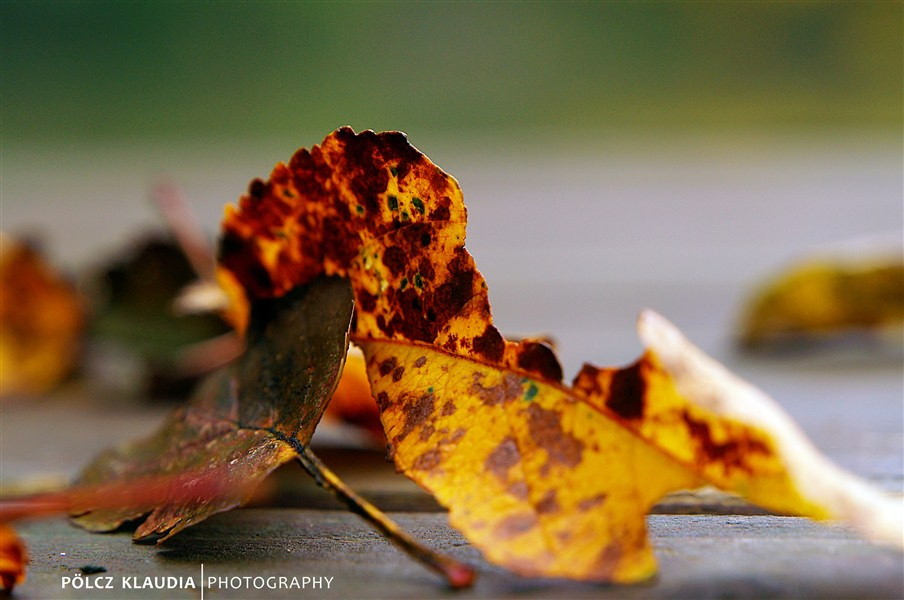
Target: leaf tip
{"type": "Point", "coordinates": [654, 329]}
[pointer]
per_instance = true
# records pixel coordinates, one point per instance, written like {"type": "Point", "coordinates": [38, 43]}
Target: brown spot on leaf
{"type": "Point", "coordinates": [417, 413]}
{"type": "Point", "coordinates": [458, 289]}
{"type": "Point", "coordinates": [426, 432]}
{"type": "Point", "coordinates": [382, 401]}
{"type": "Point", "coordinates": [366, 300]}
{"type": "Point", "coordinates": [394, 259]}
{"type": "Point", "coordinates": [441, 212]}
{"type": "Point", "coordinates": [732, 453]}
{"type": "Point", "coordinates": [448, 409]}
{"type": "Point", "coordinates": [489, 344]}
{"type": "Point", "coordinates": [502, 458]}
{"type": "Point", "coordinates": [420, 362]}
{"type": "Point", "coordinates": [548, 503]}
{"type": "Point", "coordinates": [257, 189]}
{"type": "Point", "coordinates": [397, 373]}
{"type": "Point", "coordinates": [409, 319]}
{"type": "Point", "coordinates": [626, 392]}
{"type": "Point", "coordinates": [387, 366]}
{"type": "Point", "coordinates": [546, 432]}
{"type": "Point", "coordinates": [538, 358]}
{"type": "Point", "coordinates": [592, 502]}
{"type": "Point", "coordinates": [607, 561]}
{"type": "Point", "coordinates": [515, 525]}
{"type": "Point", "coordinates": [456, 436]}
{"type": "Point", "coordinates": [506, 390]}
{"type": "Point", "coordinates": [519, 490]}
{"type": "Point", "coordinates": [429, 460]}
{"type": "Point", "coordinates": [240, 257]}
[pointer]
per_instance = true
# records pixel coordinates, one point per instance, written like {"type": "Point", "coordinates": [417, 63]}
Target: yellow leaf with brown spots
{"type": "Point", "coordinates": [545, 479]}
{"type": "Point", "coordinates": [555, 481]}
{"type": "Point", "coordinates": [824, 297]}
{"type": "Point", "coordinates": [541, 481]}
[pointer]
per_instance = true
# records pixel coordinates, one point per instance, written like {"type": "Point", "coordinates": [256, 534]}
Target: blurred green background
{"type": "Point", "coordinates": [170, 71]}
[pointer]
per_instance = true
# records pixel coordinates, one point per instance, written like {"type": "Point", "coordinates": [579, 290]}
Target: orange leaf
{"type": "Point", "coordinates": [13, 558]}
{"type": "Point", "coordinates": [352, 402]}
{"type": "Point", "coordinates": [41, 320]}
{"type": "Point", "coordinates": [372, 208]}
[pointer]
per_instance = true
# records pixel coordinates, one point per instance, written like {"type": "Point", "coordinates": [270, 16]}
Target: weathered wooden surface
{"type": "Point", "coordinates": [700, 557]}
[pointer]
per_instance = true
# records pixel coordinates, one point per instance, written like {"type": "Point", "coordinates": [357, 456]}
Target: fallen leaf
{"type": "Point", "coordinates": [552, 481]}
{"type": "Point", "coordinates": [13, 558]}
{"type": "Point", "coordinates": [41, 321]}
{"type": "Point", "coordinates": [820, 298]}
{"type": "Point", "coordinates": [134, 297]}
{"type": "Point", "coordinates": [817, 488]}
{"type": "Point", "coordinates": [542, 482]}
{"type": "Point", "coordinates": [546, 480]}
{"type": "Point", "coordinates": [248, 419]}
{"type": "Point", "coordinates": [252, 417]}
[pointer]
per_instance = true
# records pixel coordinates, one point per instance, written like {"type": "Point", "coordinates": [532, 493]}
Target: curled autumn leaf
{"type": "Point", "coordinates": [251, 417]}
{"type": "Point", "coordinates": [545, 479]}
{"type": "Point", "coordinates": [133, 297]}
{"type": "Point", "coordinates": [41, 321]}
{"type": "Point", "coordinates": [372, 208]}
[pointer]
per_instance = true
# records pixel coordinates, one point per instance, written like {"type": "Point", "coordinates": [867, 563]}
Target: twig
{"type": "Point", "coordinates": [457, 574]}
{"type": "Point", "coordinates": [182, 223]}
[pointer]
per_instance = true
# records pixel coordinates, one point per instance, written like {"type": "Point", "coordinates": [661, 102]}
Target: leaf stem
{"type": "Point", "coordinates": [457, 574]}
{"type": "Point", "coordinates": [184, 226]}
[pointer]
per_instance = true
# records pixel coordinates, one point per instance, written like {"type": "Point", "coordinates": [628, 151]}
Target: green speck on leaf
{"type": "Point", "coordinates": [418, 282]}
{"type": "Point", "coordinates": [531, 392]}
{"type": "Point", "coordinates": [393, 203]}
{"type": "Point", "coordinates": [430, 390]}
{"type": "Point", "coordinates": [404, 283]}
{"type": "Point", "coordinates": [359, 209]}
{"type": "Point", "coordinates": [405, 215]}
{"type": "Point", "coordinates": [418, 205]}
{"type": "Point", "coordinates": [394, 171]}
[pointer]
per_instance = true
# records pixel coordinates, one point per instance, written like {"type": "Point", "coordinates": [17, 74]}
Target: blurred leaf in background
{"type": "Point", "coordinates": [41, 321]}
{"type": "Point", "coordinates": [133, 296]}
